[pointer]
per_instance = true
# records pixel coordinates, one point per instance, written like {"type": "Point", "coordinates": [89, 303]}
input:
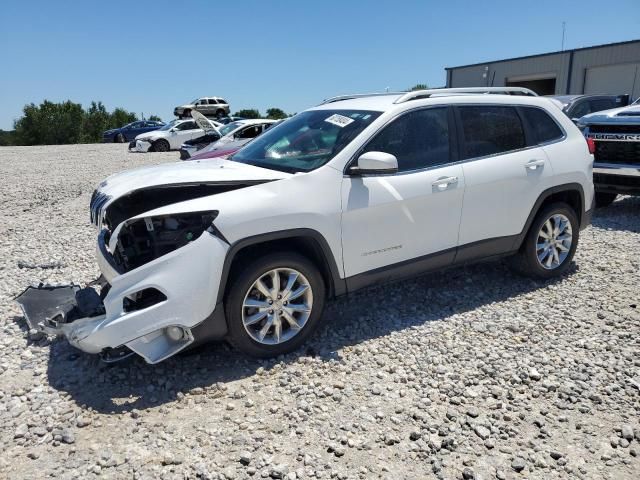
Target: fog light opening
{"type": "Point", "coordinates": [142, 299]}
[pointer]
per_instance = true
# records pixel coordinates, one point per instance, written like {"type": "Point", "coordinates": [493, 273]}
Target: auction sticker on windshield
{"type": "Point", "coordinates": [339, 120]}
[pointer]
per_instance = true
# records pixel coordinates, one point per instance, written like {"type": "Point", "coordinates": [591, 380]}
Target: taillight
{"type": "Point", "coordinates": [592, 145]}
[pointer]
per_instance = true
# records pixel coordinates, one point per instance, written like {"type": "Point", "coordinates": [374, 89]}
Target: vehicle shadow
{"type": "Point", "coordinates": [371, 313]}
{"type": "Point", "coordinates": [623, 214]}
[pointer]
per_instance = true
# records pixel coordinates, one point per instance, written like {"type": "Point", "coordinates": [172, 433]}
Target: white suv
{"type": "Point", "coordinates": [356, 191]}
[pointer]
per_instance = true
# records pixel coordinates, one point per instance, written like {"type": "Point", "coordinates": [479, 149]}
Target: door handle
{"type": "Point", "coordinates": [533, 164]}
{"type": "Point", "coordinates": [444, 182]}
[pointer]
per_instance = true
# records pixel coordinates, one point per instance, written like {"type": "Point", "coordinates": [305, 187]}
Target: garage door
{"type": "Point", "coordinates": [614, 79]}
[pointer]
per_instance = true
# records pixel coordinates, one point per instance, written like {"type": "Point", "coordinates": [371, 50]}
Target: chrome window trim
{"type": "Point", "coordinates": [457, 162]}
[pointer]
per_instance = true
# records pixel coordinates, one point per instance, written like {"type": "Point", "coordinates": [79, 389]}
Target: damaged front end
{"type": "Point", "coordinates": [161, 256]}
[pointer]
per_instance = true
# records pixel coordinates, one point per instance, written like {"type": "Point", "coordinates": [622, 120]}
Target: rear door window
{"type": "Point", "coordinates": [490, 130]}
{"type": "Point", "coordinates": [544, 128]}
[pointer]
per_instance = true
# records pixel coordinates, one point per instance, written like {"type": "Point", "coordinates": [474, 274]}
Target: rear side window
{"type": "Point", "coordinates": [213, 101]}
{"type": "Point", "coordinates": [490, 130]}
{"type": "Point", "coordinates": [418, 139]}
{"type": "Point", "coordinates": [187, 126]}
{"type": "Point", "coordinates": [543, 126]}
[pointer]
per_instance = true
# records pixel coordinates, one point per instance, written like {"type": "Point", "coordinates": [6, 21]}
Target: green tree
{"type": "Point", "coordinates": [276, 113]}
{"type": "Point", "coordinates": [96, 121]}
{"type": "Point", "coordinates": [419, 86]}
{"type": "Point", "coordinates": [154, 118]}
{"type": "Point", "coordinates": [50, 124]}
{"type": "Point", "coordinates": [6, 137]}
{"type": "Point", "coordinates": [120, 117]}
{"type": "Point", "coordinates": [248, 113]}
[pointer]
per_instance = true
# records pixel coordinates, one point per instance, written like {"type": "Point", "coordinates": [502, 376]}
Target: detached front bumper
{"type": "Point", "coordinates": [182, 284]}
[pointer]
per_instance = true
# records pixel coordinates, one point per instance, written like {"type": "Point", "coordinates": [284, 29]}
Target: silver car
{"type": "Point", "coordinates": [209, 106]}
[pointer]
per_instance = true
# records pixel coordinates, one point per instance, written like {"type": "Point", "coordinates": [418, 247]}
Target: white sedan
{"type": "Point", "coordinates": [169, 137]}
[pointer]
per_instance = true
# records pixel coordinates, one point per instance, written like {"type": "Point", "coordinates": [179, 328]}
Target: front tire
{"type": "Point", "coordinates": [604, 199]}
{"type": "Point", "coordinates": [550, 243]}
{"type": "Point", "coordinates": [274, 304]}
{"type": "Point", "coordinates": [119, 138]}
{"type": "Point", "coordinates": [161, 146]}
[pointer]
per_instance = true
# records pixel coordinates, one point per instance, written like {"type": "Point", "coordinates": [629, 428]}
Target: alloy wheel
{"type": "Point", "coordinates": [554, 241]}
{"type": "Point", "coordinates": [277, 306]}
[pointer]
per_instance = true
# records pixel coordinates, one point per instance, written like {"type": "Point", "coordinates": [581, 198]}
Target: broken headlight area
{"type": "Point", "coordinates": [143, 240]}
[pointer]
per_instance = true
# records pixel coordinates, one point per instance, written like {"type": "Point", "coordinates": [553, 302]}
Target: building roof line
{"type": "Point", "coordinates": [615, 44]}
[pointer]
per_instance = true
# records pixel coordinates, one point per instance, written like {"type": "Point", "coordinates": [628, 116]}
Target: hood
{"type": "Point", "coordinates": [132, 192]}
{"type": "Point", "coordinates": [204, 123]}
{"type": "Point", "coordinates": [623, 115]}
{"type": "Point", "coordinates": [223, 152]}
{"type": "Point", "coordinates": [212, 171]}
{"type": "Point", "coordinates": [226, 143]}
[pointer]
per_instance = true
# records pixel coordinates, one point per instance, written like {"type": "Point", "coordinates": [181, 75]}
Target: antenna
{"type": "Point", "coordinates": [564, 28]}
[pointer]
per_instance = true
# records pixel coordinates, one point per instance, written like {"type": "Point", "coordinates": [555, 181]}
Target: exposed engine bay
{"type": "Point", "coordinates": [143, 240]}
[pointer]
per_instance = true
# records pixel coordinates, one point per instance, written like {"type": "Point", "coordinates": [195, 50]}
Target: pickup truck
{"type": "Point", "coordinates": [616, 135]}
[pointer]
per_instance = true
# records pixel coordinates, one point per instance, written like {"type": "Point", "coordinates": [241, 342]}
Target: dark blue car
{"type": "Point", "coordinates": [130, 131]}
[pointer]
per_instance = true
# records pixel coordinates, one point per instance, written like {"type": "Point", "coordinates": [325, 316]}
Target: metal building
{"type": "Point", "coordinates": [613, 69]}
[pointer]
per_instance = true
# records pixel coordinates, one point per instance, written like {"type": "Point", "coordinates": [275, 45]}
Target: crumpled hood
{"type": "Point", "coordinates": [194, 172]}
{"type": "Point", "coordinates": [623, 115]}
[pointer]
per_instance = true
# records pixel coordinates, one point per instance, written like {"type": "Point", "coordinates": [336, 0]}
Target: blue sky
{"type": "Point", "coordinates": [148, 56]}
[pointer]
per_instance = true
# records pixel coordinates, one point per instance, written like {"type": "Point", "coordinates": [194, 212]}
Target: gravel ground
{"type": "Point", "coordinates": [472, 373]}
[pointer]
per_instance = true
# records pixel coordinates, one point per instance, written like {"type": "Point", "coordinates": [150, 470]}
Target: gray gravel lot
{"type": "Point", "coordinates": [471, 373]}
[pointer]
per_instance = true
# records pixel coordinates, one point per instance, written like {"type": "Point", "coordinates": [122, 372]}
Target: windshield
{"type": "Point", "coordinates": [306, 141]}
{"type": "Point", "coordinates": [229, 127]}
{"type": "Point", "coordinates": [169, 125]}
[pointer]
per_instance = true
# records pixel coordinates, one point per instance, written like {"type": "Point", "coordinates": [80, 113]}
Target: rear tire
{"type": "Point", "coordinates": [604, 199]}
{"type": "Point", "coordinates": [277, 312]}
{"type": "Point", "coordinates": [550, 243]}
{"type": "Point", "coordinates": [161, 146]}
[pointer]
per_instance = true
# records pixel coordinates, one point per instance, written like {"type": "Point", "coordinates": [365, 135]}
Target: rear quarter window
{"type": "Point", "coordinates": [544, 128]}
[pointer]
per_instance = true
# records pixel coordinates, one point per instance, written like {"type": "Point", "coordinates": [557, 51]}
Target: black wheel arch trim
{"type": "Point", "coordinates": [335, 289]}
{"type": "Point", "coordinates": [583, 215]}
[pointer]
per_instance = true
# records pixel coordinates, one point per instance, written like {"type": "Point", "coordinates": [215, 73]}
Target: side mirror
{"type": "Point", "coordinates": [374, 163]}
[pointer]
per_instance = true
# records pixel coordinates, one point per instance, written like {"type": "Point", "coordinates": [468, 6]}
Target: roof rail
{"type": "Point", "coordinates": [417, 94]}
{"type": "Point", "coordinates": [358, 95]}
